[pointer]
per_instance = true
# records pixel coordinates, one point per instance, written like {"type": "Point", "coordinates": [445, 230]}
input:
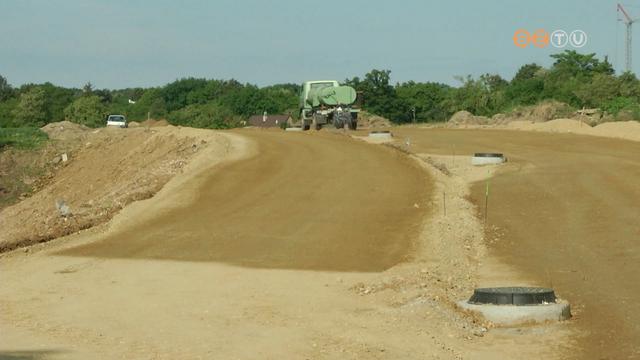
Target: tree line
{"type": "Point", "coordinates": [579, 80]}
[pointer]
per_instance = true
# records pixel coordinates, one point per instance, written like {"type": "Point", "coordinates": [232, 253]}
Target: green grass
{"type": "Point", "coordinates": [22, 138]}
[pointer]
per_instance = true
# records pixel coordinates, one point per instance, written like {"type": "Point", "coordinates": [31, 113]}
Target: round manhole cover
{"type": "Point", "coordinates": [513, 296]}
{"type": "Point", "coordinates": [498, 155]}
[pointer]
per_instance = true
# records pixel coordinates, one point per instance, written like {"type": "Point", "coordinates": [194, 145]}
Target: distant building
{"type": "Point", "coordinates": [268, 120]}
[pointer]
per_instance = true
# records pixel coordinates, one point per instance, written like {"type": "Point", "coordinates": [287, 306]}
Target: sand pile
{"type": "Point", "coordinates": [107, 169]}
{"type": "Point", "coordinates": [542, 112]}
{"type": "Point", "coordinates": [367, 120]}
{"type": "Point", "coordinates": [629, 130]}
{"type": "Point", "coordinates": [65, 130]}
{"type": "Point", "coordinates": [557, 125]}
{"type": "Point", "coordinates": [154, 123]}
{"type": "Point", "coordinates": [466, 118]}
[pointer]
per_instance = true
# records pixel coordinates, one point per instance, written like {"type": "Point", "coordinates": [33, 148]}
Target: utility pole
{"type": "Point", "coordinates": [628, 21]}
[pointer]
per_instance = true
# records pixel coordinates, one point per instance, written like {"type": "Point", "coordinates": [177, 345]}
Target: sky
{"type": "Point", "coordinates": [133, 43]}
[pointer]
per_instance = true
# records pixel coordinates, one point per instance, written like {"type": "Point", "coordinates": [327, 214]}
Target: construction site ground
{"type": "Point", "coordinates": [318, 245]}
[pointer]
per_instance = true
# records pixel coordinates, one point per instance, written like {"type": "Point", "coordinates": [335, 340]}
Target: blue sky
{"type": "Point", "coordinates": [127, 43]}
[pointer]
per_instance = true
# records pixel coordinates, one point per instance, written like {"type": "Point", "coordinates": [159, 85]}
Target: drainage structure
{"type": "Point", "coordinates": [381, 134]}
{"type": "Point", "coordinates": [487, 158]}
{"type": "Point", "coordinates": [511, 306]}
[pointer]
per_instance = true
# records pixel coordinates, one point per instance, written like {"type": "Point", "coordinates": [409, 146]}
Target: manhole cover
{"type": "Point", "coordinates": [513, 296]}
{"type": "Point", "coordinates": [498, 155]}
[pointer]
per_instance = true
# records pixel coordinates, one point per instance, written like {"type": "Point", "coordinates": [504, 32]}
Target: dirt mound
{"type": "Point", "coordinates": [557, 125]}
{"type": "Point", "coordinates": [133, 124]}
{"type": "Point", "coordinates": [466, 118]}
{"type": "Point", "coordinates": [108, 169]}
{"type": "Point", "coordinates": [65, 130]}
{"type": "Point", "coordinates": [368, 120]}
{"type": "Point", "coordinates": [542, 112]}
{"type": "Point", "coordinates": [154, 123]}
{"type": "Point", "coordinates": [629, 130]}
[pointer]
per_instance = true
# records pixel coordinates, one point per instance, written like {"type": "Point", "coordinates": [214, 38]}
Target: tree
{"type": "Point", "coordinates": [425, 98]}
{"type": "Point", "coordinates": [57, 99]}
{"type": "Point", "coordinates": [379, 96]}
{"type": "Point", "coordinates": [86, 110]}
{"type": "Point", "coordinates": [87, 89]}
{"type": "Point", "coordinates": [527, 85]}
{"type": "Point", "coordinates": [6, 91]}
{"type": "Point", "coordinates": [572, 63]}
{"type": "Point", "coordinates": [211, 115]}
{"type": "Point", "coordinates": [527, 72]}
{"type": "Point", "coordinates": [629, 85]}
{"type": "Point", "coordinates": [484, 96]}
{"type": "Point", "coordinates": [176, 94]}
{"type": "Point", "coordinates": [602, 88]}
{"type": "Point", "coordinates": [31, 110]}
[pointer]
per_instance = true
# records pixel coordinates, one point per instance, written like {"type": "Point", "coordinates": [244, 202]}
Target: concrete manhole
{"type": "Point", "coordinates": [517, 305]}
{"type": "Point", "coordinates": [380, 134]}
{"type": "Point", "coordinates": [487, 158]}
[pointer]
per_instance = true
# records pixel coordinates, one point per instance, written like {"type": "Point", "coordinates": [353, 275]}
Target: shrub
{"type": "Point", "coordinates": [22, 138]}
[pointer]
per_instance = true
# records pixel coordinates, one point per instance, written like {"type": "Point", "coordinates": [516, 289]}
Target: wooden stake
{"type": "Point", "coordinates": [444, 202]}
{"type": "Point", "coordinates": [486, 203]}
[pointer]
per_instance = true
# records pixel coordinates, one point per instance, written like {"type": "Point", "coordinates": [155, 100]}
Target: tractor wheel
{"type": "Point", "coordinates": [315, 124]}
{"type": "Point", "coordinates": [353, 123]}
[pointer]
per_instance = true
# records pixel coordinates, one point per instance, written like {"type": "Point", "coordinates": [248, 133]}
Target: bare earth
{"type": "Point", "coordinates": [315, 245]}
{"type": "Point", "coordinates": [309, 245]}
{"type": "Point", "coordinates": [564, 210]}
{"type": "Point", "coordinates": [106, 170]}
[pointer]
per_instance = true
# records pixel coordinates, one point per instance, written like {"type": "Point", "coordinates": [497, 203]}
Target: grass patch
{"type": "Point", "coordinates": [22, 138]}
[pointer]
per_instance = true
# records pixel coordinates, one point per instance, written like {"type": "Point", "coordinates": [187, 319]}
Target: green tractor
{"type": "Point", "coordinates": [325, 102]}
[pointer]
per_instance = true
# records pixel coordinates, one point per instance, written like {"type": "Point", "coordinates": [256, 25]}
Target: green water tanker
{"type": "Point", "coordinates": [325, 102]}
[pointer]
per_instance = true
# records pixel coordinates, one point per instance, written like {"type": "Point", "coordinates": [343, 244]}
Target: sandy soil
{"type": "Point", "coordinates": [106, 169]}
{"type": "Point", "coordinates": [297, 245]}
{"type": "Point", "coordinates": [628, 130]}
{"type": "Point", "coordinates": [564, 211]}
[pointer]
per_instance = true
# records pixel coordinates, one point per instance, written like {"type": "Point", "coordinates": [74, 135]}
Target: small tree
{"type": "Point", "coordinates": [86, 110]}
{"type": "Point", "coordinates": [6, 91]}
{"type": "Point", "coordinates": [31, 110]}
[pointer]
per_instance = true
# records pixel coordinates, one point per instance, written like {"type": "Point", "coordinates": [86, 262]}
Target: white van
{"type": "Point", "coordinates": [117, 120]}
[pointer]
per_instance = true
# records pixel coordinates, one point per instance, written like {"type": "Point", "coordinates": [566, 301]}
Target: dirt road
{"type": "Point", "coordinates": [313, 210]}
{"type": "Point", "coordinates": [158, 282]}
{"type": "Point", "coordinates": [565, 210]}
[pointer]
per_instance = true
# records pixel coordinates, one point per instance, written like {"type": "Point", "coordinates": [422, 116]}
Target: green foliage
{"type": "Point", "coordinates": [56, 100]}
{"type": "Point", "coordinates": [30, 110]}
{"type": "Point", "coordinates": [22, 138]}
{"type": "Point", "coordinates": [579, 80]}
{"type": "Point", "coordinates": [426, 99]}
{"type": "Point", "coordinates": [6, 91]}
{"type": "Point", "coordinates": [527, 85]}
{"type": "Point", "coordinates": [150, 104]}
{"type": "Point", "coordinates": [6, 112]}
{"type": "Point", "coordinates": [181, 93]}
{"type": "Point", "coordinates": [209, 116]}
{"type": "Point", "coordinates": [87, 110]}
{"type": "Point", "coordinates": [380, 95]}
{"type": "Point", "coordinates": [616, 105]}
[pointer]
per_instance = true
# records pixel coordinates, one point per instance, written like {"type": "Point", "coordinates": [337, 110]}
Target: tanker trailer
{"type": "Point", "coordinates": [325, 102]}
